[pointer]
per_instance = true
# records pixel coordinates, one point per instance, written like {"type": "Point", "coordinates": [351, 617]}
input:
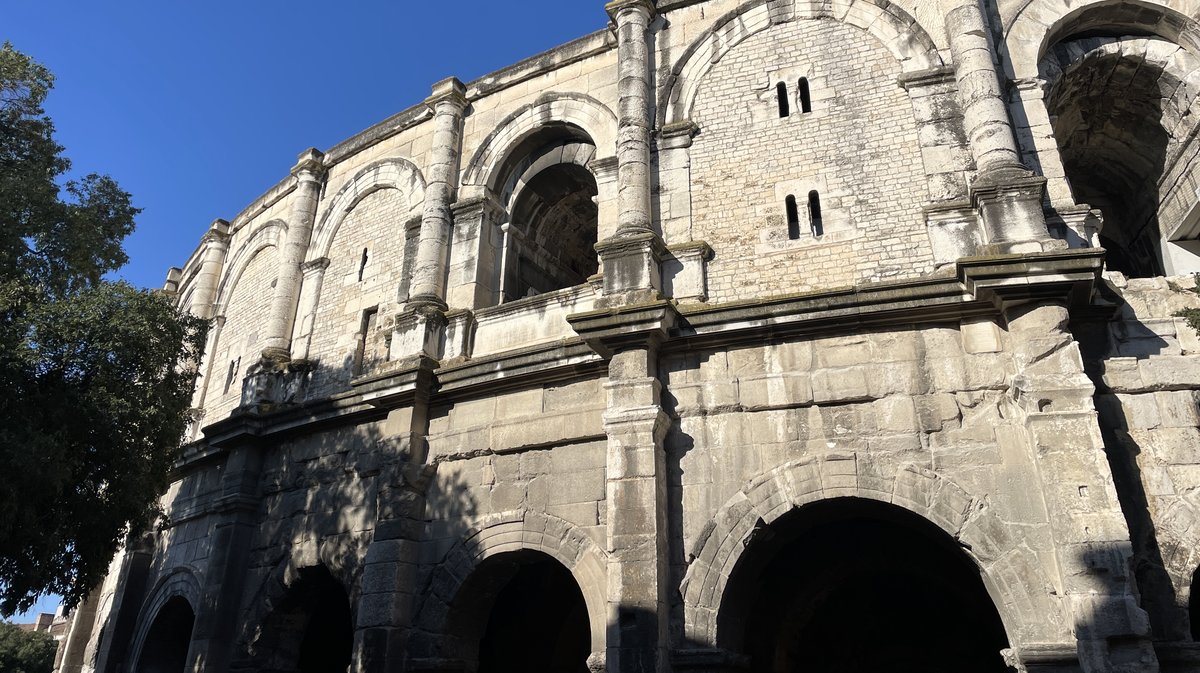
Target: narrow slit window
{"type": "Point", "coordinates": [805, 96]}
{"type": "Point", "coordinates": [362, 264]}
{"type": "Point", "coordinates": [366, 327]}
{"type": "Point", "coordinates": [785, 107]}
{"type": "Point", "coordinates": [793, 218]}
{"type": "Point", "coordinates": [234, 365]}
{"type": "Point", "coordinates": [814, 214]}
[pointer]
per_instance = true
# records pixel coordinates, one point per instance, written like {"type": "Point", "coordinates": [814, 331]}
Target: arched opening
{"type": "Point", "coordinates": [311, 630]}
{"type": "Point", "coordinates": [521, 611]}
{"type": "Point", "coordinates": [785, 107]}
{"type": "Point", "coordinates": [1114, 113]}
{"type": "Point", "coordinates": [166, 646]}
{"type": "Point", "coordinates": [550, 192]}
{"type": "Point", "coordinates": [857, 586]}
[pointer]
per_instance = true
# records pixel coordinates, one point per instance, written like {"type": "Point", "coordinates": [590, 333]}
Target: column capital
{"type": "Point", "coordinates": [618, 7]}
{"type": "Point", "coordinates": [218, 233]}
{"type": "Point", "coordinates": [310, 164]}
{"type": "Point", "coordinates": [451, 91]}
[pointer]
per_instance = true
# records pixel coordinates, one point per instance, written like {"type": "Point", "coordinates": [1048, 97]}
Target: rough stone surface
{"type": "Point", "coordinates": [743, 420]}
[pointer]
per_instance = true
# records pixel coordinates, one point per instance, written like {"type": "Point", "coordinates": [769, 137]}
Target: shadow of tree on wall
{"type": "Point", "coordinates": [319, 497]}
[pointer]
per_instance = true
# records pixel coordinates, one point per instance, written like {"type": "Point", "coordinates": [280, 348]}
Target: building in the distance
{"type": "Point", "coordinates": [742, 335]}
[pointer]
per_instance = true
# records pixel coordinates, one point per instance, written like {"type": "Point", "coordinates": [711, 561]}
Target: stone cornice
{"type": "Point", "coordinates": [979, 286]}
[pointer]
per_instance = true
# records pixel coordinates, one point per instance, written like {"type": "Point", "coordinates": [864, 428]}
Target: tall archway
{"type": "Point", "coordinates": [550, 195]}
{"type": "Point", "coordinates": [311, 630]}
{"type": "Point", "coordinates": [852, 585]}
{"type": "Point", "coordinates": [521, 611]}
{"type": "Point", "coordinates": [166, 645]}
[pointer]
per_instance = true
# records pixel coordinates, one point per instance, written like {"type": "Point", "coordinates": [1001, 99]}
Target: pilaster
{"type": "Point", "coordinates": [216, 247]}
{"type": "Point", "coordinates": [386, 610]}
{"type": "Point", "coordinates": [449, 104]}
{"type": "Point", "coordinates": [313, 279]}
{"type": "Point", "coordinates": [1006, 194]}
{"type": "Point", "coordinates": [236, 513]}
{"type": "Point", "coordinates": [310, 175]}
{"type": "Point", "coordinates": [1052, 397]}
{"type": "Point", "coordinates": [627, 280]}
{"type": "Point", "coordinates": [474, 276]}
{"type": "Point", "coordinates": [637, 536]}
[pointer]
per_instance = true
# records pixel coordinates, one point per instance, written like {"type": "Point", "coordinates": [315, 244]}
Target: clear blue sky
{"type": "Point", "coordinates": [197, 107]}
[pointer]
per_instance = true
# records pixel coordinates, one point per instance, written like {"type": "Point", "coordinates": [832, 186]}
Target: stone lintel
{"type": "Point", "coordinates": [627, 327]}
{"type": "Point", "coordinates": [699, 249]}
{"type": "Point", "coordinates": [476, 207]}
{"type": "Point", "coordinates": [546, 364]}
{"type": "Point", "coordinates": [401, 383]}
{"type": "Point", "coordinates": [678, 134]}
{"type": "Point", "coordinates": [314, 265]}
{"type": "Point", "coordinates": [941, 76]}
{"type": "Point", "coordinates": [1067, 275]}
{"type": "Point", "coordinates": [604, 168]}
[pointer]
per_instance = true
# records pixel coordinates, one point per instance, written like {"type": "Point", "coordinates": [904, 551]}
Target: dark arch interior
{"type": "Point", "coordinates": [551, 195]}
{"type": "Point", "coordinates": [1107, 113]}
{"type": "Point", "coordinates": [312, 631]}
{"type": "Point", "coordinates": [855, 586]}
{"type": "Point", "coordinates": [167, 642]}
{"type": "Point", "coordinates": [522, 611]}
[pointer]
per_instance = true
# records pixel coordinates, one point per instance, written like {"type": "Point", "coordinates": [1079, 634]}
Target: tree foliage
{"type": "Point", "coordinates": [25, 651]}
{"type": "Point", "coordinates": [95, 376]}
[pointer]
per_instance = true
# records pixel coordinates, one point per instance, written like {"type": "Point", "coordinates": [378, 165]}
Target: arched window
{"type": "Point", "coordinates": [552, 214]}
{"type": "Point", "coordinates": [805, 96]}
{"type": "Point", "coordinates": [793, 218]}
{"type": "Point", "coordinates": [814, 214]}
{"type": "Point", "coordinates": [785, 107]}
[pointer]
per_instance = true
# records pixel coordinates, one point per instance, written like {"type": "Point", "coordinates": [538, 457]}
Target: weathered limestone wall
{"type": "Point", "coordinates": [238, 339]}
{"type": "Point", "coordinates": [368, 261]}
{"type": "Point", "coordinates": [1146, 362]}
{"type": "Point", "coordinates": [857, 148]}
{"type": "Point", "coordinates": [643, 429]}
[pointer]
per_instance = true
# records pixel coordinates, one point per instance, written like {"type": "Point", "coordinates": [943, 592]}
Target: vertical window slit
{"type": "Point", "coordinates": [814, 214]}
{"type": "Point", "coordinates": [367, 326]}
{"type": "Point", "coordinates": [785, 107]}
{"type": "Point", "coordinates": [805, 96]}
{"type": "Point", "coordinates": [793, 218]}
{"type": "Point", "coordinates": [362, 265]}
{"type": "Point", "coordinates": [234, 365]}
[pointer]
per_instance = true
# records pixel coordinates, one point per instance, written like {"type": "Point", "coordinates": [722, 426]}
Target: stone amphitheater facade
{"type": "Point", "coordinates": [741, 335]}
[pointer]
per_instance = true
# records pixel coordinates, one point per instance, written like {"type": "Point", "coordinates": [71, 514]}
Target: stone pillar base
{"type": "Point", "coordinates": [632, 265]}
{"type": "Point", "coordinates": [1009, 203]}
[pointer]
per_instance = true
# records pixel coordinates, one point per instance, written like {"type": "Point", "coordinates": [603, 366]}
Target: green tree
{"type": "Point", "coordinates": [25, 651]}
{"type": "Point", "coordinates": [95, 376]}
